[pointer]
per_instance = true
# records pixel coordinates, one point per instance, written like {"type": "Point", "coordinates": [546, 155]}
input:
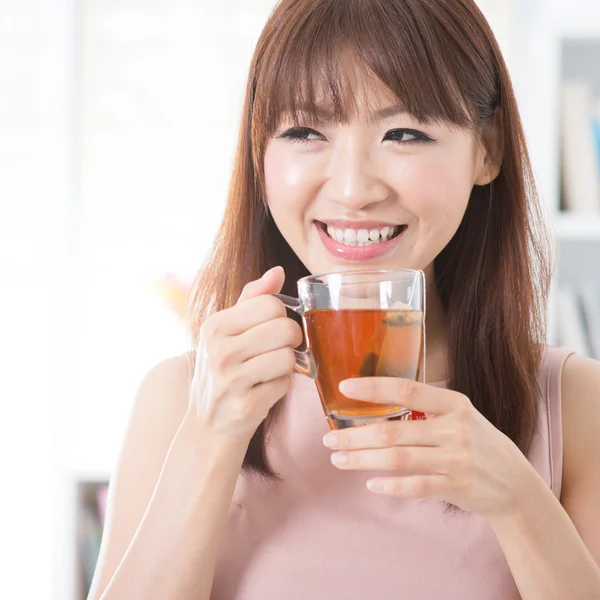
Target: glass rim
{"type": "Point", "coordinates": [395, 272]}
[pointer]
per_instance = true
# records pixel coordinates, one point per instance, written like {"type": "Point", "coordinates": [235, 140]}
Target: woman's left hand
{"type": "Point", "coordinates": [455, 455]}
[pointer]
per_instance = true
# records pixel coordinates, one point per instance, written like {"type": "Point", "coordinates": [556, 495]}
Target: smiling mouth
{"type": "Point", "coordinates": [361, 237]}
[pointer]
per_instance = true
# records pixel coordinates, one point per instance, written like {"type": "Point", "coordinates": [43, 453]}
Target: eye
{"type": "Point", "coordinates": [407, 136]}
{"type": "Point", "coordinates": [300, 134]}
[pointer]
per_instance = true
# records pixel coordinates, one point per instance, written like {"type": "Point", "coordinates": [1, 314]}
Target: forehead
{"type": "Point", "coordinates": [347, 86]}
{"type": "Point", "coordinates": [359, 96]}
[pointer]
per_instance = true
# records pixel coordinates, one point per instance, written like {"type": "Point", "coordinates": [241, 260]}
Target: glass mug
{"type": "Point", "coordinates": [360, 324]}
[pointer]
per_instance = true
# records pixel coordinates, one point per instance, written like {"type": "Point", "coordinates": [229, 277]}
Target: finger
{"type": "Point", "coordinates": [266, 394]}
{"type": "Point", "coordinates": [266, 337]}
{"type": "Point", "coordinates": [270, 283]}
{"type": "Point", "coordinates": [413, 459]}
{"type": "Point", "coordinates": [436, 487]}
{"type": "Point", "coordinates": [252, 312]}
{"type": "Point", "coordinates": [386, 434]}
{"type": "Point", "coordinates": [405, 392]}
{"type": "Point", "coordinates": [270, 365]}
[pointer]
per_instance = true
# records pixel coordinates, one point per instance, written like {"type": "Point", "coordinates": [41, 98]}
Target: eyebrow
{"type": "Point", "coordinates": [378, 115]}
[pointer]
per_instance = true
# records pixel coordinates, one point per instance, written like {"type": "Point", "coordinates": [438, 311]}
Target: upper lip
{"type": "Point", "coordinates": [345, 224]}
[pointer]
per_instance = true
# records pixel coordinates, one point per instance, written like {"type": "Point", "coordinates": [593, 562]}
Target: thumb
{"type": "Point", "coordinates": [270, 283]}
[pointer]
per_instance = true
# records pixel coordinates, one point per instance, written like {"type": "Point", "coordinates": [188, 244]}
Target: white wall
{"type": "Point", "coordinates": [34, 232]}
{"type": "Point", "coordinates": [161, 93]}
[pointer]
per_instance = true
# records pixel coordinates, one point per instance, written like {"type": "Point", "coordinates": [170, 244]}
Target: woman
{"type": "Point", "coordinates": [398, 117]}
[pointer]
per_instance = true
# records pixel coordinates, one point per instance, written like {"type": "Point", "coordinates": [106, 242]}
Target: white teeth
{"type": "Point", "coordinates": [350, 236]}
{"type": "Point", "coordinates": [362, 236]}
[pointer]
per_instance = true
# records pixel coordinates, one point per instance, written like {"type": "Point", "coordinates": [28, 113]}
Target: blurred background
{"type": "Point", "coordinates": [118, 122]}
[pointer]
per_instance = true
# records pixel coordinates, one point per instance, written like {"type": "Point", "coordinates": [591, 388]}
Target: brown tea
{"type": "Point", "coordinates": [362, 343]}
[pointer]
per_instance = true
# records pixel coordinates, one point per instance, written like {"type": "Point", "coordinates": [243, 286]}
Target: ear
{"type": "Point", "coordinates": [492, 152]}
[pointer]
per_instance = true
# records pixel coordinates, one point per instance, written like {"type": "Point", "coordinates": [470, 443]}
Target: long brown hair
{"type": "Point", "coordinates": [441, 60]}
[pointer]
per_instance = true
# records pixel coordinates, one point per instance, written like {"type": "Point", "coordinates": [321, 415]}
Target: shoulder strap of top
{"type": "Point", "coordinates": [551, 377]}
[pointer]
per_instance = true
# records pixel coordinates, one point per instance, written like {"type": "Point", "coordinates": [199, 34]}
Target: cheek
{"type": "Point", "coordinates": [443, 183]}
{"type": "Point", "coordinates": [289, 180]}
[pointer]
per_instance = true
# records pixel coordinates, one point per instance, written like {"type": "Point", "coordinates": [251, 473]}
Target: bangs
{"type": "Point", "coordinates": [312, 61]}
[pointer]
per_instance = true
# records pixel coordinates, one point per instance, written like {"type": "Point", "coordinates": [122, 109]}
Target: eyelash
{"type": "Point", "coordinates": [295, 134]}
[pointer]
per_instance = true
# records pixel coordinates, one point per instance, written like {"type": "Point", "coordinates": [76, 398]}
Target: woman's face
{"type": "Point", "coordinates": [382, 191]}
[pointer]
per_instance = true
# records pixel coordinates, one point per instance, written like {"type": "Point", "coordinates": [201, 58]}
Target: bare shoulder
{"type": "Point", "coordinates": [581, 396]}
{"type": "Point", "coordinates": [581, 447]}
{"type": "Point", "coordinates": [160, 403]}
{"type": "Point", "coordinates": [580, 411]}
{"type": "Point", "coordinates": [171, 375]}
{"type": "Point", "coordinates": [162, 395]}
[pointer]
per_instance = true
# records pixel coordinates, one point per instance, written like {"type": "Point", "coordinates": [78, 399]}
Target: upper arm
{"type": "Point", "coordinates": [581, 460]}
{"type": "Point", "coordinates": [158, 409]}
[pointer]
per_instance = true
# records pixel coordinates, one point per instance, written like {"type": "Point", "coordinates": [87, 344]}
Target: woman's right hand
{"type": "Point", "coordinates": [245, 360]}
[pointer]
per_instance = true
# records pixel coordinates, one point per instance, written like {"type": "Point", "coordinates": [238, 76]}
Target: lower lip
{"type": "Point", "coordinates": [358, 253]}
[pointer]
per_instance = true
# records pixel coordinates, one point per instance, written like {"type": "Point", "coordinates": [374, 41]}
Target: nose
{"type": "Point", "coordinates": [353, 181]}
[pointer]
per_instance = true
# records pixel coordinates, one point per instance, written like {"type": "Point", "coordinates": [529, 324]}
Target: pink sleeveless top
{"type": "Point", "coordinates": [319, 534]}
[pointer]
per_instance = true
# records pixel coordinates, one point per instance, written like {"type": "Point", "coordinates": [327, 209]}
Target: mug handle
{"type": "Point", "coordinates": [305, 363]}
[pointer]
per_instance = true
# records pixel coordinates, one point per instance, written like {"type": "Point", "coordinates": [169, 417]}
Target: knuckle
{"type": "Point", "coordinates": [296, 333]}
{"type": "Point", "coordinates": [231, 381]}
{"type": "Point", "coordinates": [462, 486]}
{"type": "Point", "coordinates": [400, 459]}
{"type": "Point", "coordinates": [273, 307]}
{"type": "Point", "coordinates": [209, 328]}
{"type": "Point", "coordinates": [291, 331]}
{"type": "Point", "coordinates": [248, 287]}
{"type": "Point", "coordinates": [355, 459]}
{"type": "Point", "coordinates": [462, 437]}
{"type": "Point", "coordinates": [407, 387]}
{"type": "Point", "coordinates": [396, 487]}
{"type": "Point", "coordinates": [218, 391]}
{"type": "Point", "coordinates": [419, 487]}
{"type": "Point", "coordinates": [218, 357]}
{"type": "Point", "coordinates": [288, 359]}
{"type": "Point", "coordinates": [463, 404]}
{"type": "Point", "coordinates": [388, 433]}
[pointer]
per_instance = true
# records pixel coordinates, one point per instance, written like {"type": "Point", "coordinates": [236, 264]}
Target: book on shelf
{"type": "Point", "coordinates": [596, 128]}
{"type": "Point", "coordinates": [578, 323]}
{"type": "Point", "coordinates": [580, 151]}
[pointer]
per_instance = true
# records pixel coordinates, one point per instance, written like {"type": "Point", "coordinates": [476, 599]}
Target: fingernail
{"type": "Point", "coordinates": [339, 458]}
{"type": "Point", "coordinates": [331, 440]}
{"type": "Point", "coordinates": [349, 386]}
{"type": "Point", "coordinates": [374, 485]}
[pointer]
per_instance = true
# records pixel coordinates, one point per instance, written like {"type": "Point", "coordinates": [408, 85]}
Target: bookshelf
{"type": "Point", "coordinates": [562, 39]}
